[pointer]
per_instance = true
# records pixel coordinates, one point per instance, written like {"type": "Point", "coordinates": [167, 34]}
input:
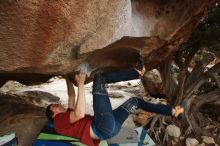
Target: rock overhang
{"type": "Point", "coordinates": [42, 39]}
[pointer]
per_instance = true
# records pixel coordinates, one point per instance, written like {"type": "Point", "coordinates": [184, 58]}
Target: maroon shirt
{"type": "Point", "coordinates": [80, 129]}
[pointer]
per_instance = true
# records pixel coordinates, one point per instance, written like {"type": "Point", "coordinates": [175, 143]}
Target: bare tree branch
{"type": "Point", "coordinates": [179, 58]}
{"type": "Point", "coordinates": [181, 86]}
{"type": "Point", "coordinates": [191, 54]}
{"type": "Point", "coordinates": [193, 78]}
{"type": "Point", "coordinates": [217, 81]}
{"type": "Point", "coordinates": [197, 102]}
{"type": "Point", "coordinates": [168, 80]}
{"type": "Point", "coordinates": [198, 77]}
{"type": "Point", "coordinates": [215, 69]}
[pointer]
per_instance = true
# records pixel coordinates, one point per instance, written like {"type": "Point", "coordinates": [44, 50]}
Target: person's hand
{"type": "Point", "coordinates": [80, 78]}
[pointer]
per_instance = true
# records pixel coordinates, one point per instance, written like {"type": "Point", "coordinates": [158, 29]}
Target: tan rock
{"type": "Point", "coordinates": [208, 140]}
{"type": "Point", "coordinates": [191, 142]}
{"type": "Point", "coordinates": [20, 115]}
{"type": "Point", "coordinates": [47, 38]}
{"type": "Point", "coordinates": [152, 83]}
{"type": "Point", "coordinates": [173, 131]}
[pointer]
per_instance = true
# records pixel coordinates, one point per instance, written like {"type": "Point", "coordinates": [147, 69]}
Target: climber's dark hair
{"type": "Point", "coordinates": [49, 113]}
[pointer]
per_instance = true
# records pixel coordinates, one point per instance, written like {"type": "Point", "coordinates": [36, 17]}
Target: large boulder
{"type": "Point", "coordinates": [40, 39]}
{"type": "Point", "coordinates": [24, 114]}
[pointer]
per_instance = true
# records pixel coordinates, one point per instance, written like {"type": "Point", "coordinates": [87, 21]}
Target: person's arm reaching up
{"type": "Point", "coordinates": [71, 94]}
{"type": "Point", "coordinates": [79, 111]}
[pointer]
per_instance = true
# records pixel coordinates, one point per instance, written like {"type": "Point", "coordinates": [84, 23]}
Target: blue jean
{"type": "Point", "coordinates": [107, 122]}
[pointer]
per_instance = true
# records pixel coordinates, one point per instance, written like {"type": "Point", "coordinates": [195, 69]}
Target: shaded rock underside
{"type": "Point", "coordinates": [41, 39]}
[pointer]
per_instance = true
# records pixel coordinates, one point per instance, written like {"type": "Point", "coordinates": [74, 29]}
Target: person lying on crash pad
{"type": "Point", "coordinates": [106, 122]}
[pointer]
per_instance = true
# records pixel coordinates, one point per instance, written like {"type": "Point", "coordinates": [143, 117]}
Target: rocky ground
{"type": "Point", "coordinates": [55, 91]}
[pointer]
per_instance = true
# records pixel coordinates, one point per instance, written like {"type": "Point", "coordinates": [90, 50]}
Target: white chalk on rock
{"type": "Point", "coordinates": [85, 68]}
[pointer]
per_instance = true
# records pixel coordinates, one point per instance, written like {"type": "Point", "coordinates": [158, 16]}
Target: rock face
{"type": "Point", "coordinates": [24, 114]}
{"type": "Point", "coordinates": [152, 83]}
{"type": "Point", "coordinates": [41, 39]}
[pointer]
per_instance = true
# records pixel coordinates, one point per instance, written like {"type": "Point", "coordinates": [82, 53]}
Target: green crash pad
{"type": "Point", "coordinates": [126, 137]}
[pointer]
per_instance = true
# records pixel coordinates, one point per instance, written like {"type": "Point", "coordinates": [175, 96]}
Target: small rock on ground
{"type": "Point", "coordinates": [173, 131]}
{"type": "Point", "coordinates": [208, 140]}
{"type": "Point", "coordinates": [191, 142]}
